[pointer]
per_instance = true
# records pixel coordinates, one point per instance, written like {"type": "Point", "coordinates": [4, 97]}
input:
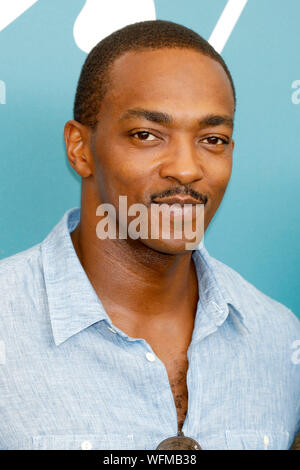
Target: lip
{"type": "Point", "coordinates": [177, 200]}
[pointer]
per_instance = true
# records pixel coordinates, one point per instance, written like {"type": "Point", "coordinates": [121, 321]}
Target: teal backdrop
{"type": "Point", "coordinates": [256, 230]}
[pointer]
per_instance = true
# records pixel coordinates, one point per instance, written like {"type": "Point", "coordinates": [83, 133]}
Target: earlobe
{"type": "Point", "coordinates": [76, 146]}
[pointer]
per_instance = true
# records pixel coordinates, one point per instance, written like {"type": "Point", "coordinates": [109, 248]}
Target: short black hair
{"type": "Point", "coordinates": [93, 82]}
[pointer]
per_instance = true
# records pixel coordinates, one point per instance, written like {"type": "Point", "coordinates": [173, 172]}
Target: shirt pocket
{"type": "Point", "coordinates": [83, 442]}
{"type": "Point", "coordinates": [248, 439]}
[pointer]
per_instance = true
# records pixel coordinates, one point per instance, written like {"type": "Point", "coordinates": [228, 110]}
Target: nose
{"type": "Point", "coordinates": [182, 163]}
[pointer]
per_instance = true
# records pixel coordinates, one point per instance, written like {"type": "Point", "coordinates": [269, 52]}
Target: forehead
{"type": "Point", "coordinates": [168, 79]}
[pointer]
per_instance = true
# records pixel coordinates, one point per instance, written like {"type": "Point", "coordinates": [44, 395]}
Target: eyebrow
{"type": "Point", "coordinates": [209, 120]}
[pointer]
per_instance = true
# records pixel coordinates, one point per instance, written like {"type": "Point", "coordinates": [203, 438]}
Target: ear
{"type": "Point", "coordinates": [76, 140]}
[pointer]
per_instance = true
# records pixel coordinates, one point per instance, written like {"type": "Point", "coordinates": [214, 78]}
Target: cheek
{"type": "Point", "coordinates": [219, 176]}
{"type": "Point", "coordinates": [121, 172]}
{"type": "Point", "coordinates": [217, 179]}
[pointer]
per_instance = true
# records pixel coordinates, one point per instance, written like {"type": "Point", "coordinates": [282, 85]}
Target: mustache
{"type": "Point", "coordinates": [183, 191]}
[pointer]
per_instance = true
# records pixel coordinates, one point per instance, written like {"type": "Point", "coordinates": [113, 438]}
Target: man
{"type": "Point", "coordinates": [123, 342]}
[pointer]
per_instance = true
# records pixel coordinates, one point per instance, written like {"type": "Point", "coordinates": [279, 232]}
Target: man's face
{"type": "Point", "coordinates": [164, 127]}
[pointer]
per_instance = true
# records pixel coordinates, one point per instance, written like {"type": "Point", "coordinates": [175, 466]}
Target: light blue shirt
{"type": "Point", "coordinates": [70, 379]}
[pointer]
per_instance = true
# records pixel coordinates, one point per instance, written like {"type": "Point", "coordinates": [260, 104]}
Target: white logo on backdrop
{"type": "Point", "coordinates": [296, 93]}
{"type": "Point", "coordinates": [226, 23]}
{"type": "Point", "coordinates": [10, 10]}
{"type": "Point", "coordinates": [99, 18]}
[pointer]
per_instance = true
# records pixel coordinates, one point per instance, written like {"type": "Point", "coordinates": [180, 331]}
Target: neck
{"type": "Point", "coordinates": [130, 278]}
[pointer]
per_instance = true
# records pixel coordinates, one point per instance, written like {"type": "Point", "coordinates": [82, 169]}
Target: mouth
{"type": "Point", "coordinates": [181, 200]}
{"type": "Point", "coordinates": [181, 206]}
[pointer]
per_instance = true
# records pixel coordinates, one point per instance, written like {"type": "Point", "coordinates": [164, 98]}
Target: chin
{"type": "Point", "coordinates": [169, 247]}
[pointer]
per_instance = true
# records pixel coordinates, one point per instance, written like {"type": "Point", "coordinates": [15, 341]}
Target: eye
{"type": "Point", "coordinates": [144, 136]}
{"type": "Point", "coordinates": [214, 140]}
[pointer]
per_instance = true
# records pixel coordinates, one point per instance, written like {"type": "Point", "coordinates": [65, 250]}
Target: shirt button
{"type": "Point", "coordinates": [111, 329]}
{"type": "Point", "coordinates": [150, 357]}
{"type": "Point", "coordinates": [217, 307]}
{"type": "Point", "coordinates": [266, 441]}
{"type": "Point", "coordinates": [86, 445]}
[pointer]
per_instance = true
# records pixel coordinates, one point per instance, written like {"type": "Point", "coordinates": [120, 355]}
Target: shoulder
{"type": "Point", "coordinates": [21, 277]}
{"type": "Point", "coordinates": [20, 262]}
{"type": "Point", "coordinates": [258, 308]}
{"type": "Point", "coordinates": [272, 334]}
